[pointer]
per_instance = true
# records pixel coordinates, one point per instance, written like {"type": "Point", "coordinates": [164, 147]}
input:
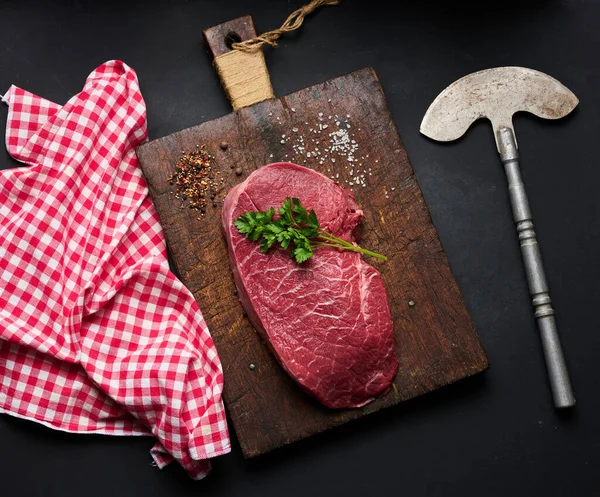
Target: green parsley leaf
{"type": "Point", "coordinates": [267, 242]}
{"type": "Point", "coordinates": [302, 254]}
{"type": "Point", "coordinates": [300, 214]}
{"type": "Point", "coordinates": [284, 238]}
{"type": "Point", "coordinates": [267, 216]}
{"type": "Point", "coordinates": [275, 227]}
{"type": "Point", "coordinates": [297, 229]}
{"type": "Point", "coordinates": [308, 232]}
{"type": "Point", "coordinates": [285, 211]}
{"type": "Point", "coordinates": [245, 223]}
{"type": "Point", "coordinates": [312, 221]}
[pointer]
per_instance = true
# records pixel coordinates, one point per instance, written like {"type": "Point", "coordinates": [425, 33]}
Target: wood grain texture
{"type": "Point", "coordinates": [435, 339]}
{"type": "Point", "coordinates": [244, 76]}
{"type": "Point", "coordinates": [216, 36]}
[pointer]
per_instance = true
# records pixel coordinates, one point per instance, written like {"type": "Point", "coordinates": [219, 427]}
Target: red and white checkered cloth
{"type": "Point", "coordinates": [96, 334]}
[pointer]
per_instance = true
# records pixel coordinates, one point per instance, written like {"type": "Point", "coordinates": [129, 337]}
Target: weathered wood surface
{"type": "Point", "coordinates": [435, 339]}
{"type": "Point", "coordinates": [219, 37]}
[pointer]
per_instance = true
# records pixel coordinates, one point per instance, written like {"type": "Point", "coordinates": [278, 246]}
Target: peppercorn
{"type": "Point", "coordinates": [195, 179]}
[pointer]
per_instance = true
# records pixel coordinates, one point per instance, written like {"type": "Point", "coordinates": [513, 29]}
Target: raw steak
{"type": "Point", "coordinates": [328, 320]}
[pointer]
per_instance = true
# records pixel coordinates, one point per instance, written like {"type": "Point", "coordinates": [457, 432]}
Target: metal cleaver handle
{"type": "Point", "coordinates": [532, 259]}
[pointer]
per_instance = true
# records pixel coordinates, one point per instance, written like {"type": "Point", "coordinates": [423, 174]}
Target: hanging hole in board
{"type": "Point", "coordinates": [231, 38]}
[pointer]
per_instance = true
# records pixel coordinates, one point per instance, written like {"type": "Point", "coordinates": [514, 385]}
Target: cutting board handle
{"type": "Point", "coordinates": [244, 76]}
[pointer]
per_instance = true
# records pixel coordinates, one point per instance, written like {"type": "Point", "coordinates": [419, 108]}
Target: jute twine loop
{"type": "Point", "coordinates": [294, 21]}
{"type": "Point", "coordinates": [243, 70]}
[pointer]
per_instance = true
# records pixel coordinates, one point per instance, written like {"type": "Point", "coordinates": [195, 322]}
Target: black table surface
{"type": "Point", "coordinates": [494, 435]}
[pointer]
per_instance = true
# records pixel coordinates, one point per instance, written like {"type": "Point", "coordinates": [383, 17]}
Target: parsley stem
{"type": "Point", "coordinates": [368, 252]}
{"type": "Point", "coordinates": [343, 244]}
{"type": "Point", "coordinates": [353, 248]}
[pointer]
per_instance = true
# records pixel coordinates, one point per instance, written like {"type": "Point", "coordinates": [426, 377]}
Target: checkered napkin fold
{"type": "Point", "coordinates": [96, 334]}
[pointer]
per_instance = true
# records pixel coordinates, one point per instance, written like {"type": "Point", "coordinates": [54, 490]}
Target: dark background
{"type": "Point", "coordinates": [493, 435]}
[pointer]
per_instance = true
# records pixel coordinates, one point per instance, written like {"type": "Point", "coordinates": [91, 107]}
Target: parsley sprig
{"type": "Point", "coordinates": [296, 229]}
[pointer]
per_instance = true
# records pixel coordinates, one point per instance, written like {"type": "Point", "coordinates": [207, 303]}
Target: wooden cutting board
{"type": "Point", "coordinates": [435, 339]}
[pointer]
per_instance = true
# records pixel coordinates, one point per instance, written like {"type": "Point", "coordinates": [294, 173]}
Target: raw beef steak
{"type": "Point", "coordinates": [327, 320]}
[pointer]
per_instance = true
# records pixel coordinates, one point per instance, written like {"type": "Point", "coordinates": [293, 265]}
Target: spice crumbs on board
{"type": "Point", "coordinates": [195, 180]}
